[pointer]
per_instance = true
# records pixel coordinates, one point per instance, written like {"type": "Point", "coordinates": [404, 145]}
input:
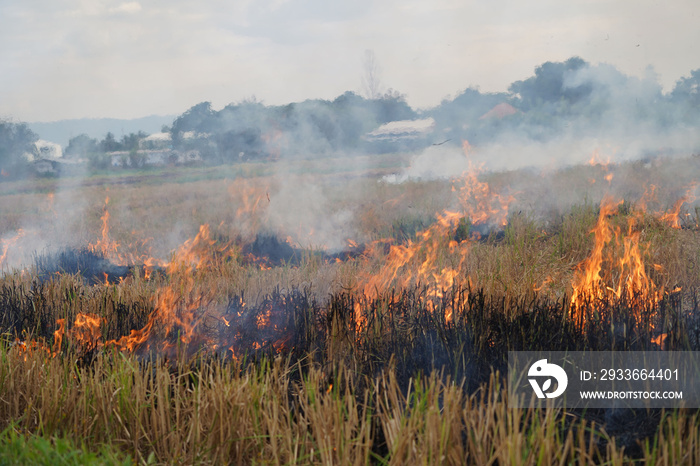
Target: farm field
{"type": "Point", "coordinates": [319, 312]}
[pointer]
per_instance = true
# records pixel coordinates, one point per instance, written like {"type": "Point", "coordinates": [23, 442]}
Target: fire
{"type": "Point", "coordinates": [660, 340]}
{"type": "Point", "coordinates": [438, 256]}
{"type": "Point", "coordinates": [546, 282]}
{"type": "Point", "coordinates": [6, 244]}
{"type": "Point", "coordinates": [603, 276]}
{"type": "Point", "coordinates": [263, 319]}
{"type": "Point", "coordinates": [105, 245]}
{"type": "Point", "coordinates": [634, 280]}
{"type": "Point", "coordinates": [119, 255]}
{"type": "Point", "coordinates": [672, 218]}
{"type": "Point", "coordinates": [435, 259]}
{"type": "Point", "coordinates": [148, 265]}
{"type": "Point", "coordinates": [426, 249]}
{"type": "Point", "coordinates": [85, 334]}
{"type": "Point", "coordinates": [86, 331]}
{"type": "Point", "coordinates": [598, 160]}
{"type": "Point", "coordinates": [478, 201]}
{"type": "Point", "coordinates": [480, 204]}
{"type": "Point", "coordinates": [251, 198]}
{"type": "Point", "coordinates": [588, 282]}
{"type": "Point", "coordinates": [58, 335]}
{"type": "Point", "coordinates": [178, 303]}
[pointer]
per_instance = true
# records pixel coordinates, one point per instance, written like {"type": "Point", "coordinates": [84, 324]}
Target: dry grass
{"type": "Point", "coordinates": [347, 393]}
{"type": "Point", "coordinates": [219, 414]}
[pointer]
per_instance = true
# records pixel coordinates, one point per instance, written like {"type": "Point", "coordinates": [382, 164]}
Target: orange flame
{"type": "Point", "coordinates": [251, 197]}
{"type": "Point", "coordinates": [546, 282]}
{"type": "Point", "coordinates": [58, 335]}
{"type": "Point", "coordinates": [601, 276]}
{"type": "Point", "coordinates": [86, 330]}
{"type": "Point", "coordinates": [598, 160]}
{"type": "Point", "coordinates": [437, 257]}
{"type": "Point", "coordinates": [660, 340]}
{"type": "Point", "coordinates": [672, 217]}
{"type": "Point", "coordinates": [105, 245]}
{"type": "Point", "coordinates": [129, 255]}
{"type": "Point", "coordinates": [178, 302]}
{"type": "Point", "coordinates": [478, 201]}
{"type": "Point", "coordinates": [587, 279]}
{"type": "Point", "coordinates": [180, 307]}
{"type": "Point", "coordinates": [6, 244]}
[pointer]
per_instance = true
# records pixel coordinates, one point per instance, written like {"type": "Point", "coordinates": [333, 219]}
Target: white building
{"type": "Point", "coordinates": [402, 130]}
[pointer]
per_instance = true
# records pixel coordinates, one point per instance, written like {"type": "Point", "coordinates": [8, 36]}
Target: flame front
{"type": "Point", "coordinates": [588, 282]}
{"type": "Point", "coordinates": [602, 275]}
{"type": "Point", "coordinates": [105, 245]}
{"type": "Point", "coordinates": [58, 335]}
{"type": "Point", "coordinates": [113, 251]}
{"type": "Point", "coordinates": [86, 331]}
{"type": "Point", "coordinates": [436, 259]}
{"type": "Point", "coordinates": [673, 217]}
{"type": "Point", "coordinates": [7, 244]}
{"type": "Point", "coordinates": [438, 256]}
{"type": "Point", "coordinates": [478, 201]}
{"type": "Point", "coordinates": [251, 198]}
{"type": "Point", "coordinates": [178, 302]}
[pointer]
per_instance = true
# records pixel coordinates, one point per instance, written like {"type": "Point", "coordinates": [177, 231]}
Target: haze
{"type": "Point", "coordinates": [75, 59]}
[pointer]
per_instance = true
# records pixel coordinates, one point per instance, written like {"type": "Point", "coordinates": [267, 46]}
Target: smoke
{"type": "Point", "coordinates": [49, 221]}
{"type": "Point", "coordinates": [300, 209]}
{"type": "Point", "coordinates": [250, 130]}
{"type": "Point", "coordinates": [435, 162]}
{"type": "Point", "coordinates": [565, 115]}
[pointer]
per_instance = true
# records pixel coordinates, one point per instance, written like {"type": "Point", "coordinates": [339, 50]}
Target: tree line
{"type": "Point", "coordinates": [571, 96]}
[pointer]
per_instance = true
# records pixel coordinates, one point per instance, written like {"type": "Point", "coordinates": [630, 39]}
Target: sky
{"type": "Point", "coordinates": [62, 59]}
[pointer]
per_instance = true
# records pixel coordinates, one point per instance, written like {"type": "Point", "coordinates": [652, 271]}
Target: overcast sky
{"type": "Point", "coordinates": [125, 59]}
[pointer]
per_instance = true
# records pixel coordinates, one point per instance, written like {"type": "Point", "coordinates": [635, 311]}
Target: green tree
{"type": "Point", "coordinates": [197, 118]}
{"type": "Point", "coordinates": [110, 144]}
{"type": "Point", "coordinates": [132, 141]}
{"type": "Point", "coordinates": [16, 139]}
{"type": "Point", "coordinates": [81, 146]}
{"type": "Point", "coordinates": [136, 159]}
{"type": "Point", "coordinates": [686, 96]}
{"type": "Point", "coordinates": [547, 86]}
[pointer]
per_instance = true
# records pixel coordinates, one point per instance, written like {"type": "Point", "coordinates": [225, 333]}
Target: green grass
{"type": "Point", "coordinates": [33, 449]}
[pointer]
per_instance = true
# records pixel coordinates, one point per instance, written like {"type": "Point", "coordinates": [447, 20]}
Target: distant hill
{"type": "Point", "coordinates": [62, 131]}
